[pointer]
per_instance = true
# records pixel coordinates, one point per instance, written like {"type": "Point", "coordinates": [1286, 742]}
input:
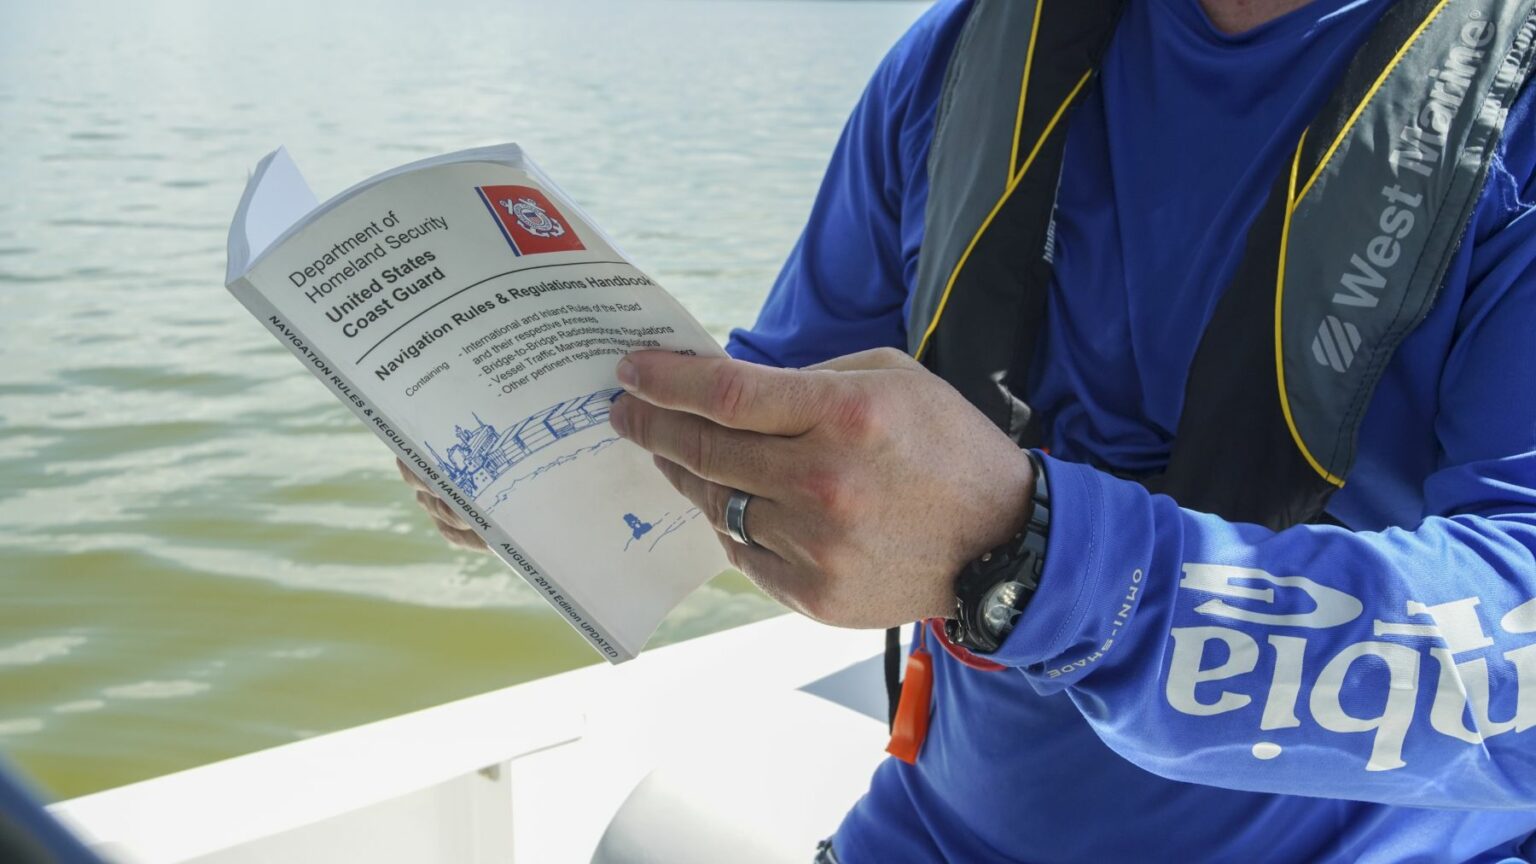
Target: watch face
{"type": "Point", "coordinates": [999, 608]}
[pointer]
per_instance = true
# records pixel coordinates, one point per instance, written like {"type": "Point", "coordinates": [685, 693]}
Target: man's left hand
{"type": "Point", "coordinates": [873, 481]}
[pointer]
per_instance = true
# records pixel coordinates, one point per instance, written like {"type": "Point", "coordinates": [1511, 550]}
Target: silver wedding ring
{"type": "Point", "coordinates": [736, 517]}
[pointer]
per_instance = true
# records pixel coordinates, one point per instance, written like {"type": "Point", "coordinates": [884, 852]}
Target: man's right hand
{"type": "Point", "coordinates": [455, 530]}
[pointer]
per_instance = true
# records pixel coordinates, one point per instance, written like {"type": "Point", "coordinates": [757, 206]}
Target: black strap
{"type": "Point", "coordinates": [1232, 453]}
{"type": "Point", "coordinates": [892, 672]}
{"type": "Point", "coordinates": [995, 297]}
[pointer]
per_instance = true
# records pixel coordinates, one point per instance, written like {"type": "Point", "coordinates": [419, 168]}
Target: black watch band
{"type": "Point", "coordinates": [992, 591]}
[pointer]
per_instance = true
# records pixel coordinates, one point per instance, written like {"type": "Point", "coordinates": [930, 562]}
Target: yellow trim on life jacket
{"type": "Point", "coordinates": [1285, 235]}
{"type": "Point", "coordinates": [1365, 100]}
{"type": "Point", "coordinates": [1029, 59]}
{"type": "Point", "coordinates": [1012, 184]}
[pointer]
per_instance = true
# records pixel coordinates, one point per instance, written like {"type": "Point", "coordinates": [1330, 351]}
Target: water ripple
{"type": "Point", "coordinates": [35, 651]}
{"type": "Point", "coordinates": [20, 726]}
{"type": "Point", "coordinates": [156, 690]}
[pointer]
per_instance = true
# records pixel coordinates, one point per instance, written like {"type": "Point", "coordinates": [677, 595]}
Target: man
{"type": "Point", "coordinates": [1358, 685]}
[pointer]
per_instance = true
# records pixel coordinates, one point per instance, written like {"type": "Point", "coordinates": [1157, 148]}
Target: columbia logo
{"type": "Point", "coordinates": [1335, 343]}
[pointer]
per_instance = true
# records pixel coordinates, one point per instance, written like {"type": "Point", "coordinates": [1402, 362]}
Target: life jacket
{"type": "Point", "coordinates": [1342, 262]}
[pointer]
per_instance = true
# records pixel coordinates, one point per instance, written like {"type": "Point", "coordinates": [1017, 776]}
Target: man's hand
{"type": "Point", "coordinates": [873, 481]}
{"type": "Point", "coordinates": [455, 530]}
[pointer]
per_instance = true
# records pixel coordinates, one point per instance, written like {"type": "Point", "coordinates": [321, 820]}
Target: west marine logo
{"type": "Point", "coordinates": [1416, 156]}
{"type": "Point", "coordinates": [1336, 343]}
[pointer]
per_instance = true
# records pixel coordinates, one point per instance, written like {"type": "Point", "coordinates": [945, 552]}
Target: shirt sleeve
{"type": "Point", "coordinates": [844, 286]}
{"type": "Point", "coordinates": [1394, 666]}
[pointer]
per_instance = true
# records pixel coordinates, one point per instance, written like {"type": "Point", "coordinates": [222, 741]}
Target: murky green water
{"type": "Point", "coordinates": [201, 553]}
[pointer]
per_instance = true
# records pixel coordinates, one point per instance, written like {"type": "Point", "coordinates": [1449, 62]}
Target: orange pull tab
{"type": "Point", "coordinates": [911, 725]}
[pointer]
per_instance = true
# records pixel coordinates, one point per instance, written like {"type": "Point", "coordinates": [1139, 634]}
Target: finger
{"type": "Point", "coordinates": [863, 361]}
{"type": "Point", "coordinates": [410, 477]}
{"type": "Point", "coordinates": [764, 519]}
{"type": "Point", "coordinates": [462, 538]}
{"type": "Point", "coordinates": [440, 510]}
{"type": "Point", "coordinates": [775, 576]}
{"type": "Point", "coordinates": [445, 512]}
{"type": "Point", "coordinates": [730, 392]}
{"type": "Point", "coordinates": [744, 460]}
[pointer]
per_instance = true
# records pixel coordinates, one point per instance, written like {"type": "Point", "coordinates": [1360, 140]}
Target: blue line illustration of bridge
{"type": "Point", "coordinates": [484, 453]}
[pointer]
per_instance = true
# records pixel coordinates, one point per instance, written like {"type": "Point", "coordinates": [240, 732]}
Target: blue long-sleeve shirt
{"type": "Point", "coordinates": [1184, 688]}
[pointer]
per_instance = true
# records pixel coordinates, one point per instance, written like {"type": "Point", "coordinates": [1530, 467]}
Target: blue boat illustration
{"type": "Point", "coordinates": [484, 453]}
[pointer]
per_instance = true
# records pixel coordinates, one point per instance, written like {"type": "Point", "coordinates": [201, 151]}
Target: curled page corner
{"type": "Point", "coordinates": [277, 197]}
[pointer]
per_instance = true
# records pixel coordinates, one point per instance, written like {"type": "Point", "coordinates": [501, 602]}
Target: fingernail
{"type": "Point", "coordinates": [628, 375]}
{"type": "Point", "coordinates": [616, 416]}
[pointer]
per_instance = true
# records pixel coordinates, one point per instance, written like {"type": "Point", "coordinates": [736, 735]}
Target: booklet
{"type": "Point", "coordinates": [471, 315]}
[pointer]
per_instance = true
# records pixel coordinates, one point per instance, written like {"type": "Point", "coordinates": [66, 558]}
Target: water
{"type": "Point", "coordinates": [201, 552]}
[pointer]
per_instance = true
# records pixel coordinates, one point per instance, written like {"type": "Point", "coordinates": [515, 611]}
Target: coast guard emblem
{"type": "Point", "coordinates": [533, 218]}
{"type": "Point", "coordinates": [528, 220]}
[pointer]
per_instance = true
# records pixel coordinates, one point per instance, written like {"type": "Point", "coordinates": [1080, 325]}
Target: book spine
{"type": "Point", "coordinates": [413, 455]}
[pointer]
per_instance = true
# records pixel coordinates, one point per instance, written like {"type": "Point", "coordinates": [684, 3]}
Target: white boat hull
{"type": "Point", "coordinates": [749, 743]}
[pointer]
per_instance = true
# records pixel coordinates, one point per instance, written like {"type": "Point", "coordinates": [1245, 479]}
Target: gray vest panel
{"type": "Point", "coordinates": [973, 139]}
{"type": "Point", "coordinates": [1371, 237]}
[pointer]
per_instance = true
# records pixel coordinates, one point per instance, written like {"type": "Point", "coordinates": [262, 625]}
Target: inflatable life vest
{"type": "Point", "coordinates": [1342, 262]}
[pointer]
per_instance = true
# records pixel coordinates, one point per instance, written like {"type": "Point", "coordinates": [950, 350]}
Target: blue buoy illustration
{"type": "Point", "coordinates": [637, 528]}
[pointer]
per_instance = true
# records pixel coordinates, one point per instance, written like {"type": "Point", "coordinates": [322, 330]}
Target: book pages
{"type": "Point", "coordinates": [471, 315]}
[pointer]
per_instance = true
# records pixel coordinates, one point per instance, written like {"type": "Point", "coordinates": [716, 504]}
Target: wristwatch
{"type": "Point", "coordinates": [992, 591]}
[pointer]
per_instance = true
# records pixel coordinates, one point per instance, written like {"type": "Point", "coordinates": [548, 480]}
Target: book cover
{"type": "Point", "coordinates": [471, 315]}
